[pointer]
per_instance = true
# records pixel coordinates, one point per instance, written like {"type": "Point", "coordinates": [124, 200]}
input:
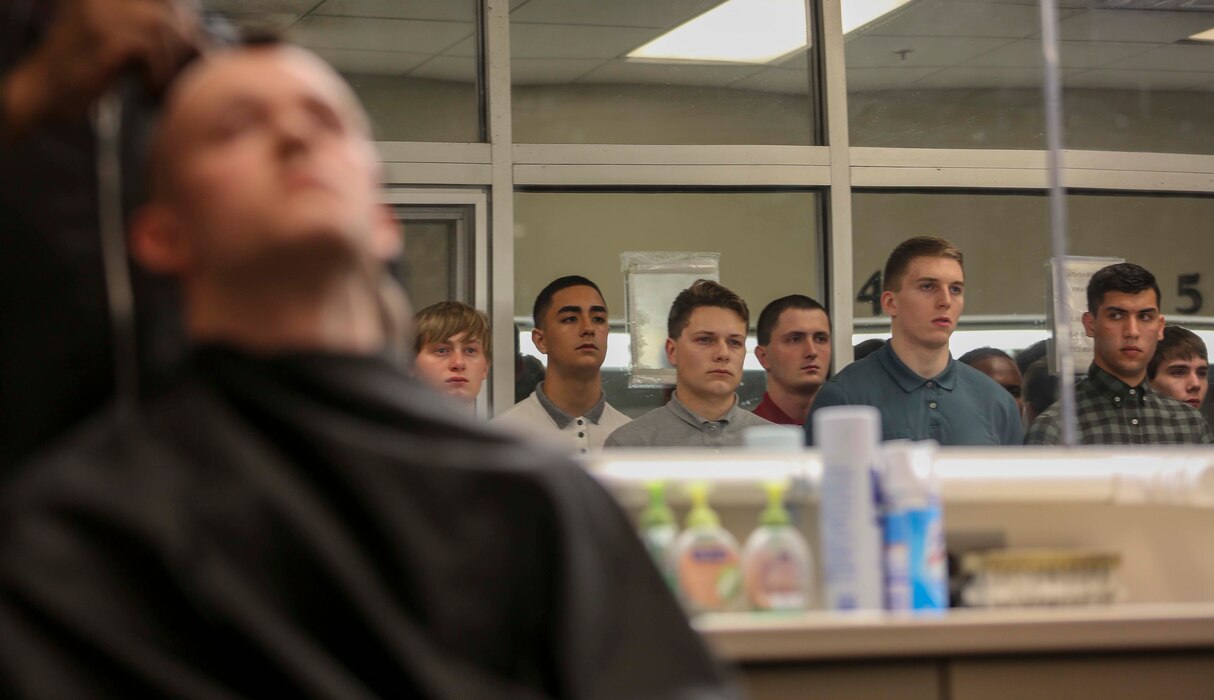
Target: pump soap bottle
{"type": "Point", "coordinates": [776, 560]}
{"type": "Point", "coordinates": [706, 559]}
{"type": "Point", "coordinates": [658, 530]}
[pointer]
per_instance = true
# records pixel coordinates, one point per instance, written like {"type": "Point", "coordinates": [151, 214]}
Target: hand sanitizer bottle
{"type": "Point", "coordinates": [776, 564]}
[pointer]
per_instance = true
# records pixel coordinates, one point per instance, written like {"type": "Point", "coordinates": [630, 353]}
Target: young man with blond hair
{"type": "Point", "coordinates": [451, 350]}
{"type": "Point", "coordinates": [706, 344]}
{"type": "Point", "coordinates": [921, 391]}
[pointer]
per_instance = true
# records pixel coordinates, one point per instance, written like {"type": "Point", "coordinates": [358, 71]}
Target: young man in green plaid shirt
{"type": "Point", "coordinates": [1115, 404]}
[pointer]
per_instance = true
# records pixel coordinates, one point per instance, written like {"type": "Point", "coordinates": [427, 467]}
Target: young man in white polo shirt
{"type": "Point", "coordinates": [568, 408]}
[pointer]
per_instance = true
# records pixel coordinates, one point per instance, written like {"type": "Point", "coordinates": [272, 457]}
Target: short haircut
{"type": "Point", "coordinates": [1178, 343]}
{"type": "Point", "coordinates": [979, 354]}
{"type": "Point", "coordinates": [1126, 278]}
{"type": "Point", "coordinates": [867, 347]}
{"type": "Point", "coordinates": [770, 316]}
{"type": "Point", "coordinates": [1031, 354]}
{"type": "Point", "coordinates": [447, 319]}
{"type": "Point", "coordinates": [1039, 388]}
{"type": "Point", "coordinates": [543, 302]}
{"type": "Point", "coordinates": [703, 293]}
{"type": "Point", "coordinates": [919, 247]}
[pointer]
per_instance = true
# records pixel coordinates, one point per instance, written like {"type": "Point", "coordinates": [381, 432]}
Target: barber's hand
{"type": "Point", "coordinates": [88, 45]}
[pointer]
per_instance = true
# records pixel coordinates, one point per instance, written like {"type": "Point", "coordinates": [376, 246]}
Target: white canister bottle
{"type": "Point", "coordinates": [848, 516]}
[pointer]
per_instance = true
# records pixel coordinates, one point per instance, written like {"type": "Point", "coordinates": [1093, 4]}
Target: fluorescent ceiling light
{"type": "Point", "coordinates": [1207, 35]}
{"type": "Point", "coordinates": [752, 31]}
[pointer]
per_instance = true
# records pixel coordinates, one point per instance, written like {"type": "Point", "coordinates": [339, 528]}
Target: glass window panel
{"type": "Point", "coordinates": [574, 82]}
{"type": "Point", "coordinates": [413, 64]}
{"type": "Point", "coordinates": [965, 74]}
{"type": "Point", "coordinates": [947, 74]}
{"type": "Point", "coordinates": [768, 243]}
{"type": "Point", "coordinates": [1148, 85]}
{"type": "Point", "coordinates": [1004, 238]}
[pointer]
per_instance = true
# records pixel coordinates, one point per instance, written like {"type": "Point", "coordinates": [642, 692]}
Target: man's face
{"type": "Point", "coordinates": [1005, 373]}
{"type": "Point", "coordinates": [1124, 333]}
{"type": "Point", "coordinates": [798, 355]}
{"type": "Point", "coordinates": [924, 311]}
{"type": "Point", "coordinates": [573, 333]}
{"type": "Point", "coordinates": [708, 354]}
{"type": "Point", "coordinates": [1183, 378]}
{"type": "Point", "coordinates": [455, 367]}
{"type": "Point", "coordinates": [265, 159]}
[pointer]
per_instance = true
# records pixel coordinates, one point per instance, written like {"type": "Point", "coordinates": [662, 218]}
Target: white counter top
{"type": "Point", "coordinates": [826, 636]}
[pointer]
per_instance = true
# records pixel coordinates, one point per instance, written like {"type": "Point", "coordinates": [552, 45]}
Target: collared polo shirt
{"type": "Point", "coordinates": [769, 411]}
{"type": "Point", "coordinates": [1110, 412]}
{"type": "Point", "coordinates": [674, 425]}
{"type": "Point", "coordinates": [959, 406]}
{"type": "Point", "coordinates": [540, 418]}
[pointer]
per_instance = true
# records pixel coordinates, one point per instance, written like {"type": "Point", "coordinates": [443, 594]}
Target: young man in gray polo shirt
{"type": "Point", "coordinates": [921, 391]}
{"type": "Point", "coordinates": [706, 344]}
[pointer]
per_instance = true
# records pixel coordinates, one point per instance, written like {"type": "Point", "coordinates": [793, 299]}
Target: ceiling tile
{"type": "Point", "coordinates": [868, 79]}
{"type": "Point", "coordinates": [1134, 25]}
{"type": "Point", "coordinates": [570, 41]}
{"type": "Point", "coordinates": [448, 10]}
{"type": "Point", "coordinates": [548, 71]}
{"type": "Point", "coordinates": [254, 7]}
{"type": "Point", "coordinates": [629, 72]}
{"type": "Point", "coordinates": [1187, 57]}
{"type": "Point", "coordinates": [792, 82]}
{"type": "Point", "coordinates": [379, 34]}
{"type": "Point", "coordinates": [265, 21]}
{"type": "Point", "coordinates": [448, 68]}
{"type": "Point", "coordinates": [1137, 80]}
{"type": "Point", "coordinates": [619, 13]}
{"type": "Point", "coordinates": [923, 52]}
{"type": "Point", "coordinates": [959, 19]}
{"type": "Point", "coordinates": [1075, 54]}
{"type": "Point", "coordinates": [984, 78]}
{"type": "Point", "coordinates": [372, 62]}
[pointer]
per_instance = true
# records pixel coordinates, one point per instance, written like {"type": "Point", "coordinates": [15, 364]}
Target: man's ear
{"type": "Point", "coordinates": [1162, 323]}
{"type": "Point", "coordinates": [889, 304]}
{"type": "Point", "coordinates": [1089, 324]}
{"type": "Point", "coordinates": [158, 242]}
{"type": "Point", "coordinates": [537, 339]}
{"type": "Point", "coordinates": [386, 241]}
{"type": "Point", "coordinates": [761, 354]}
{"type": "Point", "coordinates": [672, 355]}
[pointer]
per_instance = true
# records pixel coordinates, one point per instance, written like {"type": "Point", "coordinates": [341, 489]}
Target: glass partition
{"type": "Point", "coordinates": [671, 72]}
{"type": "Point", "coordinates": [1137, 75]}
{"type": "Point", "coordinates": [413, 64]}
{"type": "Point", "coordinates": [768, 243]}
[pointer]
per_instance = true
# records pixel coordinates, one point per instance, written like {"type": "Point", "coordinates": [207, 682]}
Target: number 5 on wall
{"type": "Point", "coordinates": [1186, 287]}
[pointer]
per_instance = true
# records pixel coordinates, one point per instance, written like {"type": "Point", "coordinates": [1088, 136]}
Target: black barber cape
{"type": "Point", "coordinates": [320, 526]}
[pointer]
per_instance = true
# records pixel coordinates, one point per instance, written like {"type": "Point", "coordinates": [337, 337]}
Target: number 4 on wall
{"type": "Point", "coordinates": [1186, 286]}
{"type": "Point", "coordinates": [871, 293]}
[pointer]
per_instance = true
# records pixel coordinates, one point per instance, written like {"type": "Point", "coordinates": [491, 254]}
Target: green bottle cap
{"type": "Point", "coordinates": [701, 515]}
{"type": "Point", "coordinates": [775, 513]}
{"type": "Point", "coordinates": [657, 512]}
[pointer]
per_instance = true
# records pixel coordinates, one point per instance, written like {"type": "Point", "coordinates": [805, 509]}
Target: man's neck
{"type": "Point", "coordinates": [923, 361]}
{"type": "Point", "coordinates": [794, 404]}
{"type": "Point", "coordinates": [574, 393]}
{"type": "Point", "coordinates": [1129, 381]}
{"type": "Point", "coordinates": [340, 314]}
{"type": "Point", "coordinates": [706, 407]}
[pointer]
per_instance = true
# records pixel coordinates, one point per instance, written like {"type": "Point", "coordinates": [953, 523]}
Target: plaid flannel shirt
{"type": "Point", "coordinates": [1110, 412]}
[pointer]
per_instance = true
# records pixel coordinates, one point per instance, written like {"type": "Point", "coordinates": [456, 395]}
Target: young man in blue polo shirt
{"type": "Point", "coordinates": [921, 391]}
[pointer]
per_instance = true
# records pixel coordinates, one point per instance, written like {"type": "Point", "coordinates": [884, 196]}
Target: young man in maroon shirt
{"type": "Point", "coordinates": [794, 348]}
